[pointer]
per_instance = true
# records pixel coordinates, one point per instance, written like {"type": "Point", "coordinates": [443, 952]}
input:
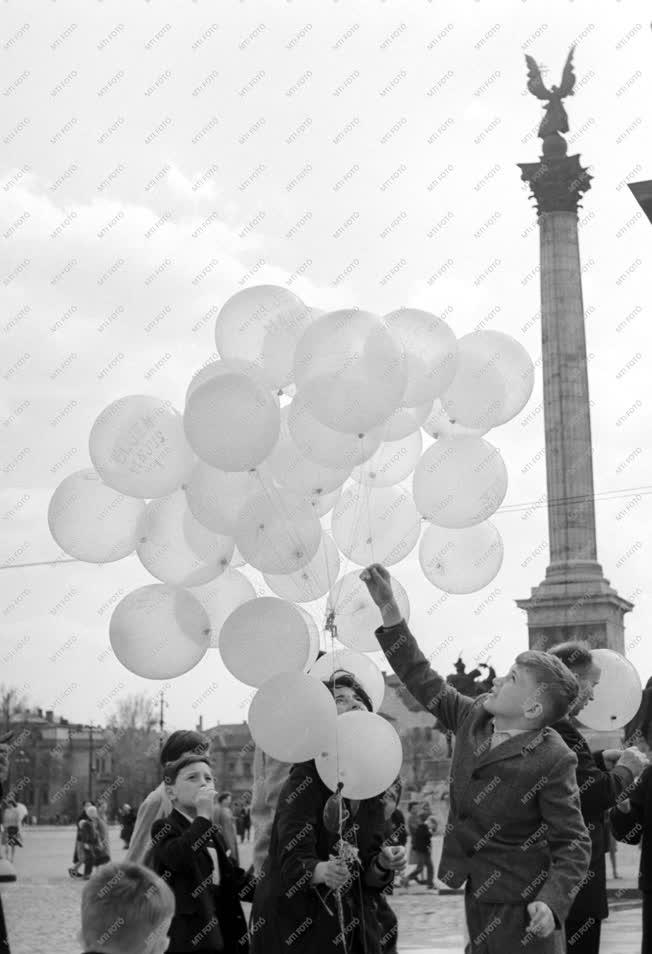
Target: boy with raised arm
{"type": "Point", "coordinates": [515, 832]}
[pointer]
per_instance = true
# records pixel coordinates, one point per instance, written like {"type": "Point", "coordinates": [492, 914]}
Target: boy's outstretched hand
{"type": "Point", "coordinates": [379, 584]}
{"type": "Point", "coordinates": [542, 921]}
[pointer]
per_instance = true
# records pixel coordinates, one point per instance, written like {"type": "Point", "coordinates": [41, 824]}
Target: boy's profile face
{"type": "Point", "coordinates": [515, 696]}
{"type": "Point", "coordinates": [190, 781]}
{"type": "Point", "coordinates": [588, 680]}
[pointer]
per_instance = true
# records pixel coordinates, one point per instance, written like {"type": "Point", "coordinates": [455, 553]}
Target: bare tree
{"type": "Point", "coordinates": [134, 744]}
{"type": "Point", "coordinates": [12, 702]}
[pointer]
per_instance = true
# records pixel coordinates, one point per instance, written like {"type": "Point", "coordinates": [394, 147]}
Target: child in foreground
{"type": "Point", "coordinates": [125, 909]}
{"type": "Point", "coordinates": [515, 832]}
{"type": "Point", "coordinates": [190, 853]}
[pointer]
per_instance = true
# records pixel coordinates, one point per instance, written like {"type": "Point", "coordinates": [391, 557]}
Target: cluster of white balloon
{"type": "Point", "coordinates": [306, 414]}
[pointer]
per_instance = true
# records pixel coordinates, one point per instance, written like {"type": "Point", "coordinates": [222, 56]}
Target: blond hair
{"type": "Point", "coordinates": [124, 907]}
{"type": "Point", "coordinates": [557, 687]}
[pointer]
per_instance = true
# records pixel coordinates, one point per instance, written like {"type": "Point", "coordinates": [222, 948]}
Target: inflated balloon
{"type": "Point", "coordinates": [513, 363]}
{"type": "Point", "coordinates": [292, 717]}
{"type": "Point", "coordinates": [263, 637]}
{"type": "Point", "coordinates": [477, 395]}
{"type": "Point", "coordinates": [313, 630]}
{"type": "Point", "coordinates": [93, 522]}
{"type": "Point", "coordinates": [459, 481]}
{"type": "Point", "coordinates": [356, 615]}
{"type": "Point", "coordinates": [313, 580]}
{"type": "Point", "coordinates": [223, 595]}
{"type": "Point", "coordinates": [292, 469]}
{"type": "Point", "coordinates": [405, 421]}
{"type": "Point", "coordinates": [431, 353]}
{"type": "Point", "coordinates": [138, 446]}
{"type": "Point", "coordinates": [231, 421]}
{"type": "Point", "coordinates": [617, 696]}
{"type": "Point", "coordinates": [352, 369]}
{"type": "Point", "coordinates": [438, 424]}
{"type": "Point", "coordinates": [323, 503]}
{"type": "Point", "coordinates": [176, 548]}
{"type": "Point", "coordinates": [365, 671]}
{"type": "Point", "coordinates": [461, 561]}
{"type": "Point", "coordinates": [392, 462]}
{"type": "Point", "coordinates": [217, 368]}
{"type": "Point", "coordinates": [364, 754]}
{"type": "Point", "coordinates": [376, 526]}
{"type": "Point", "coordinates": [323, 444]}
{"type": "Point", "coordinates": [159, 632]}
{"type": "Point", "coordinates": [215, 496]}
{"type": "Point", "coordinates": [263, 324]}
{"type": "Point", "coordinates": [277, 532]}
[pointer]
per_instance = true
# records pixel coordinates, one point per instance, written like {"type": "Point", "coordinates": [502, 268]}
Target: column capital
{"type": "Point", "coordinates": [557, 183]}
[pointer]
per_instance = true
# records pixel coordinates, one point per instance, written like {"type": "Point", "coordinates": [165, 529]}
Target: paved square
{"type": "Point", "coordinates": [43, 907]}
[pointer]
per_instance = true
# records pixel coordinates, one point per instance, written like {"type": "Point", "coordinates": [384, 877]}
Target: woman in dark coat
{"type": "Point", "coordinates": [293, 904]}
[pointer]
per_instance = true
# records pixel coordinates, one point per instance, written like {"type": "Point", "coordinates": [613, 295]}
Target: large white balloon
{"type": "Point", "coordinates": [353, 370]}
{"type": "Point", "coordinates": [292, 469]}
{"type": "Point", "coordinates": [376, 526]}
{"type": "Point", "coordinates": [313, 630]}
{"type": "Point", "coordinates": [364, 754]}
{"type": "Point", "coordinates": [392, 462]}
{"type": "Point", "coordinates": [263, 324]}
{"type": "Point", "coordinates": [215, 369]}
{"type": "Point", "coordinates": [93, 522]}
{"type": "Point", "coordinates": [138, 446]}
{"type": "Point", "coordinates": [365, 671]}
{"type": "Point", "coordinates": [460, 481]}
{"type": "Point", "coordinates": [159, 632]}
{"type": "Point", "coordinates": [176, 548]}
{"type": "Point", "coordinates": [438, 424]}
{"type": "Point", "coordinates": [231, 421]}
{"type": "Point", "coordinates": [356, 615]}
{"type": "Point", "coordinates": [617, 697]}
{"type": "Point", "coordinates": [477, 394]}
{"type": "Point", "coordinates": [313, 580]}
{"type": "Point", "coordinates": [277, 532]}
{"type": "Point", "coordinates": [431, 352]}
{"type": "Point", "coordinates": [325, 445]}
{"type": "Point", "coordinates": [263, 637]}
{"type": "Point", "coordinates": [513, 363]}
{"type": "Point", "coordinates": [215, 497]}
{"type": "Point", "coordinates": [461, 561]}
{"type": "Point", "coordinates": [405, 421]}
{"type": "Point", "coordinates": [221, 596]}
{"type": "Point", "coordinates": [292, 717]}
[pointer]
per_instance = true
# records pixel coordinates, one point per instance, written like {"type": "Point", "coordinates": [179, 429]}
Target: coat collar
{"type": "Point", "coordinates": [522, 744]}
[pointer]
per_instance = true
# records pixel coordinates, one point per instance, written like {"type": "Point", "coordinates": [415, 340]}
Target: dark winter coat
{"type": "Point", "coordinates": [202, 910]}
{"type": "Point", "coordinates": [288, 911]}
{"type": "Point", "coordinates": [599, 791]}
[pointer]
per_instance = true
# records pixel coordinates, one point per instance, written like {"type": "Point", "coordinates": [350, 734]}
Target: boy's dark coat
{"type": "Point", "coordinates": [514, 827]}
{"type": "Point", "coordinates": [181, 858]}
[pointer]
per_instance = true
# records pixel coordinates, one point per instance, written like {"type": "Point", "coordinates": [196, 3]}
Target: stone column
{"type": "Point", "coordinates": [574, 601]}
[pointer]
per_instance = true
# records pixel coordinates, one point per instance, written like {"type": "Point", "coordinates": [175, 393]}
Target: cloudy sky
{"type": "Point", "coordinates": [158, 157]}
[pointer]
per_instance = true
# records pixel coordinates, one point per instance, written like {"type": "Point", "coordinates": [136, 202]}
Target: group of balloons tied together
{"type": "Point", "coordinates": [306, 418]}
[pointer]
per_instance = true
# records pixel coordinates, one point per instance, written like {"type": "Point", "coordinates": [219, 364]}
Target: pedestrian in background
{"type": "Point", "coordinates": [11, 829]}
{"type": "Point", "coordinates": [422, 848]}
{"type": "Point", "coordinates": [77, 855]}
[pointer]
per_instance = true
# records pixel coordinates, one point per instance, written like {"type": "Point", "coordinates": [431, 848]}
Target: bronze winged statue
{"type": "Point", "coordinates": [555, 119]}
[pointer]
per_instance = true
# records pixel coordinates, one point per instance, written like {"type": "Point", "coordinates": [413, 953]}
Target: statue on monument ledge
{"type": "Point", "coordinates": [555, 120]}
